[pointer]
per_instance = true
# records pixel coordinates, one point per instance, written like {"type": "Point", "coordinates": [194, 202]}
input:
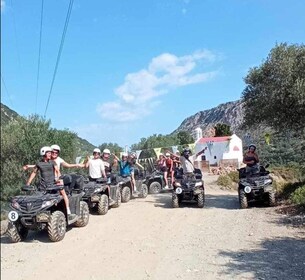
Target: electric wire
{"type": "Point", "coordinates": [59, 52]}
{"type": "Point", "coordinates": [39, 52]}
{"type": "Point", "coordinates": [6, 90]}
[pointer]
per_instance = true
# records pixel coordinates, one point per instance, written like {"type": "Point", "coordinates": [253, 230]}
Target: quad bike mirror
{"type": "Point", "coordinates": [267, 165]}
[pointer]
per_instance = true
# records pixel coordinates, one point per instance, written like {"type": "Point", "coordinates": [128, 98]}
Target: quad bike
{"type": "Point", "coordinates": [155, 181]}
{"type": "Point", "coordinates": [255, 187]}
{"type": "Point", "coordinates": [188, 188]}
{"type": "Point", "coordinates": [97, 195]}
{"type": "Point", "coordinates": [46, 210]}
{"type": "Point", "coordinates": [125, 186]}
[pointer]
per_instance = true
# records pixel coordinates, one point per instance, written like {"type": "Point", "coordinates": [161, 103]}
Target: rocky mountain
{"type": "Point", "coordinates": [7, 114]}
{"type": "Point", "coordinates": [230, 113]}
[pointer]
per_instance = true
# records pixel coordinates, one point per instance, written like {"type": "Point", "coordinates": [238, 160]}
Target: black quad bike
{"type": "Point", "coordinates": [97, 195]}
{"type": "Point", "coordinates": [46, 210]}
{"type": "Point", "coordinates": [125, 186]}
{"type": "Point", "coordinates": [155, 182]}
{"type": "Point", "coordinates": [255, 187]}
{"type": "Point", "coordinates": [188, 188]}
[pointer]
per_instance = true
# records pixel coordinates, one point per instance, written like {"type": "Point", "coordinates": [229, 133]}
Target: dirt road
{"type": "Point", "coordinates": [147, 239]}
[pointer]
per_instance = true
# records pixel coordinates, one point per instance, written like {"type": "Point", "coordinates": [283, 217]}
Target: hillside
{"type": "Point", "coordinates": [229, 113]}
{"type": "Point", "coordinates": [8, 115]}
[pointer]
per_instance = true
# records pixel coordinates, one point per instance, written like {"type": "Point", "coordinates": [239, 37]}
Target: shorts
{"type": "Point", "coordinates": [164, 169]}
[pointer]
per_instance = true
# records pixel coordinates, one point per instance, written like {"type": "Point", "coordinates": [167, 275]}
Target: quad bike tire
{"type": "Point", "coordinates": [200, 200]}
{"type": "Point", "coordinates": [57, 226]}
{"type": "Point", "coordinates": [155, 187]}
{"type": "Point", "coordinates": [84, 215]}
{"type": "Point", "coordinates": [118, 200]}
{"type": "Point", "coordinates": [175, 201]}
{"type": "Point", "coordinates": [103, 205]}
{"type": "Point", "coordinates": [243, 201]}
{"type": "Point", "coordinates": [271, 199]}
{"type": "Point", "coordinates": [143, 191]}
{"type": "Point", "coordinates": [126, 194]}
{"type": "Point", "coordinates": [17, 233]}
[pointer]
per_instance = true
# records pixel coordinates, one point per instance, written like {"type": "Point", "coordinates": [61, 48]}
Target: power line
{"type": "Point", "coordinates": [8, 94]}
{"type": "Point", "coordinates": [60, 51]}
{"type": "Point", "coordinates": [39, 51]}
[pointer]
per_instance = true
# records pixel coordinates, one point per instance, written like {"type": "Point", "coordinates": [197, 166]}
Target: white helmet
{"type": "Point", "coordinates": [124, 154]}
{"type": "Point", "coordinates": [44, 150]}
{"type": "Point", "coordinates": [167, 154]}
{"type": "Point", "coordinates": [106, 151]}
{"type": "Point", "coordinates": [55, 147]}
{"type": "Point", "coordinates": [97, 150]}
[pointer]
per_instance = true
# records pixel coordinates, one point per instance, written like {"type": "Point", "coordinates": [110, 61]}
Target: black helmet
{"type": "Point", "coordinates": [252, 145]}
{"type": "Point", "coordinates": [186, 151]}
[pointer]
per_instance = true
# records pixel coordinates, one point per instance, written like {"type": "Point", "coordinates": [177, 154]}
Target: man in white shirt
{"type": "Point", "coordinates": [96, 166]}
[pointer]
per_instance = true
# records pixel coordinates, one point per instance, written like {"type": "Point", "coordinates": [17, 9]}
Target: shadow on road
{"type": "Point", "coordinates": [282, 258]}
{"type": "Point", "coordinates": [229, 202]}
{"type": "Point", "coordinates": [33, 237]}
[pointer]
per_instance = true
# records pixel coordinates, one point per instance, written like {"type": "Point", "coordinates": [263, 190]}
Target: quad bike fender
{"type": "Point", "coordinates": [268, 188]}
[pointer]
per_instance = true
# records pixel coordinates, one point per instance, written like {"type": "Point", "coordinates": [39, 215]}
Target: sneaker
{"type": "Point", "coordinates": [71, 217]}
{"type": "Point", "coordinates": [166, 187]}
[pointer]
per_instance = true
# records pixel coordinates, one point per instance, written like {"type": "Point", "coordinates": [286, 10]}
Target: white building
{"type": "Point", "coordinates": [220, 148]}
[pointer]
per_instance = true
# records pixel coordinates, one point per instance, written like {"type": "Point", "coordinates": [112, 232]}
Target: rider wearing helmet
{"type": "Point", "coordinates": [170, 166]}
{"type": "Point", "coordinates": [251, 160]}
{"type": "Point", "coordinates": [55, 156]}
{"type": "Point", "coordinates": [49, 173]}
{"type": "Point", "coordinates": [96, 166]}
{"type": "Point", "coordinates": [106, 160]}
{"type": "Point", "coordinates": [187, 160]}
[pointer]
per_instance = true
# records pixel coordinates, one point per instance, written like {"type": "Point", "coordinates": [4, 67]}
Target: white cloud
{"type": "Point", "coordinates": [137, 96]}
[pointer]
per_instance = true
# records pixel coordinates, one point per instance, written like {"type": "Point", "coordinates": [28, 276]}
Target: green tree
{"type": "Point", "coordinates": [21, 140]}
{"type": "Point", "coordinates": [275, 91]}
{"type": "Point", "coordinates": [113, 147]}
{"type": "Point", "coordinates": [184, 137]}
{"type": "Point", "coordinates": [222, 129]}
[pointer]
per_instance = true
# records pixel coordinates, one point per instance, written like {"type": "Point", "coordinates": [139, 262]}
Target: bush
{"type": "Point", "coordinates": [225, 181]}
{"type": "Point", "coordinates": [234, 175]}
{"type": "Point", "coordinates": [298, 196]}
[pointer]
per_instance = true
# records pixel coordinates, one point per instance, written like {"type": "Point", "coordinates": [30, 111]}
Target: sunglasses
{"type": "Point", "coordinates": [54, 152]}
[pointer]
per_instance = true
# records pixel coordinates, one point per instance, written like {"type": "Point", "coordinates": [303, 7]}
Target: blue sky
{"type": "Point", "coordinates": [130, 69]}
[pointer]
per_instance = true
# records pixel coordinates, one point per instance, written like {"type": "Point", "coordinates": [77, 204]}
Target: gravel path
{"type": "Point", "coordinates": [147, 239]}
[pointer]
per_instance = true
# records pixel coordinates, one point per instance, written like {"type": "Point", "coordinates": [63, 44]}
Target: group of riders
{"type": "Point", "coordinates": [100, 166]}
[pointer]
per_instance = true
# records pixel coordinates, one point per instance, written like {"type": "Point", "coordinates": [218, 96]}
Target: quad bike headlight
{"type": "Point", "coordinates": [247, 189]}
{"type": "Point", "coordinates": [178, 190]}
{"type": "Point", "coordinates": [98, 190]}
{"type": "Point", "coordinates": [268, 181]}
{"type": "Point", "coordinates": [198, 184]}
{"type": "Point", "coordinates": [47, 203]}
{"type": "Point", "coordinates": [15, 204]}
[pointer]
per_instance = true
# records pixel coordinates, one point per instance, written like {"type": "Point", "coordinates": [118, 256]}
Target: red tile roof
{"type": "Point", "coordinates": [214, 139]}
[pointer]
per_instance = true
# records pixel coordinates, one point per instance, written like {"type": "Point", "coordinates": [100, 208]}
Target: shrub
{"type": "Point", "coordinates": [224, 180]}
{"type": "Point", "coordinates": [234, 175]}
{"type": "Point", "coordinates": [298, 196]}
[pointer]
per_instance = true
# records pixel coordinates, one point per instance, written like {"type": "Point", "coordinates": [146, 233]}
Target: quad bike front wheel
{"type": "Point", "coordinates": [84, 215]}
{"type": "Point", "coordinates": [103, 205]}
{"type": "Point", "coordinates": [200, 200]}
{"type": "Point", "coordinates": [57, 226]}
{"type": "Point", "coordinates": [143, 191]}
{"type": "Point", "coordinates": [118, 200]}
{"type": "Point", "coordinates": [271, 199]}
{"type": "Point", "coordinates": [17, 232]}
{"type": "Point", "coordinates": [175, 201]}
{"type": "Point", "coordinates": [243, 201]}
{"type": "Point", "coordinates": [126, 194]}
{"type": "Point", "coordinates": [155, 187]}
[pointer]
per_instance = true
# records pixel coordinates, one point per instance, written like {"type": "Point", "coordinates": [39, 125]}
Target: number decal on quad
{"type": "Point", "coordinates": [13, 216]}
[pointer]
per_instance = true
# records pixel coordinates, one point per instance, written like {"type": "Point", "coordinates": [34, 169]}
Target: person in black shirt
{"type": "Point", "coordinates": [49, 174]}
